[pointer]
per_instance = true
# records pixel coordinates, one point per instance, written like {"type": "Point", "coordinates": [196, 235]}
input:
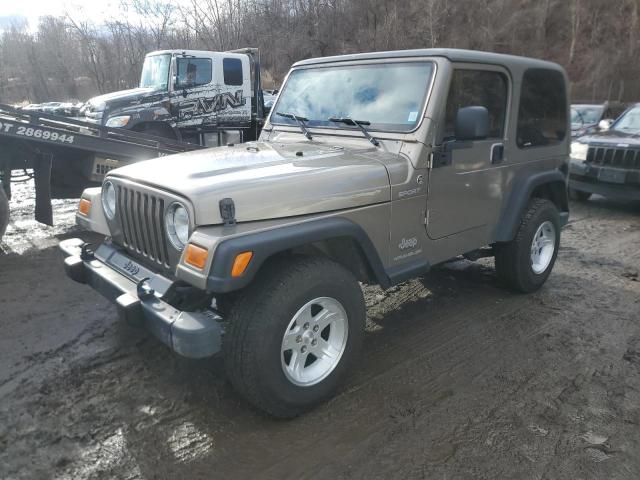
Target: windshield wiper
{"type": "Point", "coordinates": [301, 121]}
{"type": "Point", "coordinates": [357, 123]}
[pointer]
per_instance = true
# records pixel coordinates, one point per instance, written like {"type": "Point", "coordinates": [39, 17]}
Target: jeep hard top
{"type": "Point", "coordinates": [371, 168]}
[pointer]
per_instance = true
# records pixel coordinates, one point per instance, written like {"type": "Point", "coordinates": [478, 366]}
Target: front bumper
{"type": "Point", "coordinates": [138, 294]}
{"type": "Point", "coordinates": [609, 182]}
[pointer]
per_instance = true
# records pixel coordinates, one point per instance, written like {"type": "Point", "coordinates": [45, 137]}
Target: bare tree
{"type": "Point", "coordinates": [597, 42]}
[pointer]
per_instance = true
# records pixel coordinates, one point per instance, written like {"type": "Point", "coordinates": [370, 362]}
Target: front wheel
{"type": "Point", "coordinates": [293, 334]}
{"type": "Point", "coordinates": [4, 212]}
{"type": "Point", "coordinates": [525, 263]}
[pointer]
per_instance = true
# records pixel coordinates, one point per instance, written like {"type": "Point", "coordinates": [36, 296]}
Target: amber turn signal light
{"type": "Point", "coordinates": [84, 207]}
{"type": "Point", "coordinates": [196, 256]}
{"type": "Point", "coordinates": [241, 263]}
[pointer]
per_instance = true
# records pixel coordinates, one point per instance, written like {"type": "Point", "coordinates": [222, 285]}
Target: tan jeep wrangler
{"type": "Point", "coordinates": [371, 168]}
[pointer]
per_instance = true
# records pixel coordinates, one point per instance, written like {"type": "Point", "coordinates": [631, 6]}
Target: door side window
{"type": "Point", "coordinates": [477, 88]}
{"type": "Point", "coordinates": [542, 116]}
{"type": "Point", "coordinates": [232, 69]}
{"type": "Point", "coordinates": [193, 72]}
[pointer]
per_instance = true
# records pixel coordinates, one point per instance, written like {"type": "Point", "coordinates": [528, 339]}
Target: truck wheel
{"type": "Point", "coordinates": [579, 195]}
{"type": "Point", "coordinates": [293, 334]}
{"type": "Point", "coordinates": [4, 212]}
{"type": "Point", "coordinates": [525, 262]}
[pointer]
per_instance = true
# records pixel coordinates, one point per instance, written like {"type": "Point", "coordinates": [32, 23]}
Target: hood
{"type": "Point", "coordinates": [611, 137]}
{"type": "Point", "coordinates": [267, 180]}
{"type": "Point", "coordinates": [123, 96]}
{"type": "Point", "coordinates": [578, 127]}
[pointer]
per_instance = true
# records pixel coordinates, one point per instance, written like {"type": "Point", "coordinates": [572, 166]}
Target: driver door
{"type": "Point", "coordinates": [465, 185]}
{"type": "Point", "coordinates": [193, 78]}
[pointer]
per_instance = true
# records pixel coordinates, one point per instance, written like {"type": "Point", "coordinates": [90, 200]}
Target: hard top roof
{"type": "Point", "coordinates": [453, 54]}
{"type": "Point", "coordinates": [194, 53]}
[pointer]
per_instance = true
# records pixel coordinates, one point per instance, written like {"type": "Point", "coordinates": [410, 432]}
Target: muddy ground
{"type": "Point", "coordinates": [460, 378]}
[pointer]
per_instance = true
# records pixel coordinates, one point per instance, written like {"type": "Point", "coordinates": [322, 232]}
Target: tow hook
{"type": "Point", "coordinates": [86, 254]}
{"type": "Point", "coordinates": [144, 290]}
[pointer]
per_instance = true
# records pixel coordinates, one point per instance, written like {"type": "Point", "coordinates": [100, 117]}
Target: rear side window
{"type": "Point", "coordinates": [232, 68]}
{"type": "Point", "coordinates": [477, 88]}
{"type": "Point", "coordinates": [193, 72]}
{"type": "Point", "coordinates": [542, 117]}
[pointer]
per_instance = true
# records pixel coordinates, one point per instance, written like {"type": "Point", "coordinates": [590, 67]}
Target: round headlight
{"type": "Point", "coordinates": [177, 223]}
{"type": "Point", "coordinates": [109, 199]}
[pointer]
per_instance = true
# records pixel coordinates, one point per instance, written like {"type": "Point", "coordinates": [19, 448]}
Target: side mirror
{"type": "Point", "coordinates": [472, 123]}
{"type": "Point", "coordinates": [605, 124]}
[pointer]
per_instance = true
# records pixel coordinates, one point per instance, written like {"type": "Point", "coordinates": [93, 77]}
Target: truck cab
{"type": "Point", "coordinates": [203, 97]}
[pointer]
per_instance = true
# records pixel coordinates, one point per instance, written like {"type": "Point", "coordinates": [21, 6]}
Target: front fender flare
{"type": "Point", "coordinates": [270, 242]}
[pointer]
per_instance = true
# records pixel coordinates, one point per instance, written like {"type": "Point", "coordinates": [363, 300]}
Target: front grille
{"type": "Point", "coordinates": [142, 219]}
{"type": "Point", "coordinates": [614, 157]}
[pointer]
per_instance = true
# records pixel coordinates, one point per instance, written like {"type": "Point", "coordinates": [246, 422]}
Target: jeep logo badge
{"type": "Point", "coordinates": [132, 268]}
{"type": "Point", "coordinates": [408, 243]}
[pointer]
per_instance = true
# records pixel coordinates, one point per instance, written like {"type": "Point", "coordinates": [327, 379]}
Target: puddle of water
{"type": "Point", "coordinates": [104, 457]}
{"type": "Point", "coordinates": [24, 233]}
{"type": "Point", "coordinates": [188, 443]}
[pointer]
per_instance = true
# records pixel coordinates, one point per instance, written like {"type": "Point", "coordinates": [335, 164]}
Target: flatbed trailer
{"type": "Point", "coordinates": [64, 156]}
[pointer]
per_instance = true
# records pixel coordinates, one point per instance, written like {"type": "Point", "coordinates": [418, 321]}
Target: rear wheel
{"type": "Point", "coordinates": [4, 212]}
{"type": "Point", "coordinates": [579, 195]}
{"type": "Point", "coordinates": [525, 263]}
{"type": "Point", "coordinates": [293, 334]}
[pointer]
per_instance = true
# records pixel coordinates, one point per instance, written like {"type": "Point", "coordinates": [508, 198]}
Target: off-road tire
{"type": "Point", "coordinates": [253, 340]}
{"type": "Point", "coordinates": [579, 195]}
{"type": "Point", "coordinates": [513, 259]}
{"type": "Point", "coordinates": [4, 212]}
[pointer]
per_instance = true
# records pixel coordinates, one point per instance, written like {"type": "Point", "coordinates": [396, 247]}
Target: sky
{"type": "Point", "coordinates": [12, 11]}
{"type": "Point", "coordinates": [31, 10]}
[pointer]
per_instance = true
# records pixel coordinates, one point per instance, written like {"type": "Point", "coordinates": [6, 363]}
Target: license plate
{"type": "Point", "coordinates": [129, 267]}
{"type": "Point", "coordinates": [612, 176]}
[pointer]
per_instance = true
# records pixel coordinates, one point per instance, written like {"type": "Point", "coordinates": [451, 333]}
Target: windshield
{"type": "Point", "coordinates": [155, 72]}
{"type": "Point", "coordinates": [585, 115]}
{"type": "Point", "coordinates": [629, 122]}
{"type": "Point", "coordinates": [390, 96]}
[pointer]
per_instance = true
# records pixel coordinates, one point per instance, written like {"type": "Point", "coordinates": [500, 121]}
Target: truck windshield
{"type": "Point", "coordinates": [390, 96]}
{"type": "Point", "coordinates": [629, 122]}
{"type": "Point", "coordinates": [155, 72]}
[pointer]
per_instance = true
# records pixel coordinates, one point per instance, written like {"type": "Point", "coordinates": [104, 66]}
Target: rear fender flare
{"type": "Point", "coordinates": [517, 203]}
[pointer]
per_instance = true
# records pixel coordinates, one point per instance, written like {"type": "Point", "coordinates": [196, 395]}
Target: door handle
{"type": "Point", "coordinates": [497, 153]}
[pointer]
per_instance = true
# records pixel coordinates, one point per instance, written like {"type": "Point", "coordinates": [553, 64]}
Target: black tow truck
{"type": "Point", "coordinates": [187, 100]}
